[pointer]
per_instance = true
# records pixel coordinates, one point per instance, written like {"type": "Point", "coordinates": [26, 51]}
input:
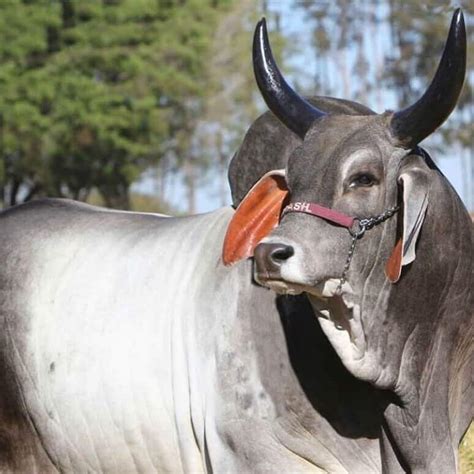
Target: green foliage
{"type": "Point", "coordinates": [93, 92]}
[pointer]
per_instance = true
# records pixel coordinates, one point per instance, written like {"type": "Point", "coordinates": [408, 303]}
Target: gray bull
{"type": "Point", "coordinates": [127, 346]}
{"type": "Point", "coordinates": [402, 325]}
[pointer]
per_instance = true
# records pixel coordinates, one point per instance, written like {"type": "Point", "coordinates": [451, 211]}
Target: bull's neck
{"type": "Point", "coordinates": [426, 317]}
{"type": "Point", "coordinates": [432, 291]}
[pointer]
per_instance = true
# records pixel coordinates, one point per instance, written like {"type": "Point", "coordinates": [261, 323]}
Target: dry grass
{"type": "Point", "coordinates": [466, 452]}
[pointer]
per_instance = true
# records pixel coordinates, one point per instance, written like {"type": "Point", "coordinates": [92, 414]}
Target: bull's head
{"type": "Point", "coordinates": [347, 166]}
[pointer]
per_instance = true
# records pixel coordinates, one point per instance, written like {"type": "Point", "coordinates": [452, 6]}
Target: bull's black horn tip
{"type": "Point", "coordinates": [260, 32]}
{"type": "Point", "coordinates": [262, 24]}
{"type": "Point", "coordinates": [458, 17]}
{"type": "Point", "coordinates": [457, 31]}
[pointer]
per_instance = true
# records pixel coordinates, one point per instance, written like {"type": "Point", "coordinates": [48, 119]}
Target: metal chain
{"type": "Point", "coordinates": [363, 225]}
{"type": "Point", "coordinates": [370, 222]}
{"type": "Point", "coordinates": [342, 280]}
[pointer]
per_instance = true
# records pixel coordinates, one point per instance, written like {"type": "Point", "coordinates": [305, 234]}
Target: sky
{"type": "Point", "coordinates": [454, 166]}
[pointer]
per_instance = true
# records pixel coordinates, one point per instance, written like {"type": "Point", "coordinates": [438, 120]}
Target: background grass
{"type": "Point", "coordinates": [466, 452]}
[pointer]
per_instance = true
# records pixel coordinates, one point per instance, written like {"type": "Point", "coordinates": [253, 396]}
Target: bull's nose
{"type": "Point", "coordinates": [269, 257]}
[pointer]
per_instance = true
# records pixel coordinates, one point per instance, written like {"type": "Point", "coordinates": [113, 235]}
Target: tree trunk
{"type": "Point", "coordinates": [161, 179]}
{"type": "Point", "coordinates": [222, 169]}
{"type": "Point", "coordinates": [470, 187]}
{"type": "Point", "coordinates": [379, 106]}
{"type": "Point", "coordinates": [68, 13]}
{"type": "Point", "coordinates": [15, 186]}
{"type": "Point", "coordinates": [190, 182]}
{"type": "Point", "coordinates": [470, 182]}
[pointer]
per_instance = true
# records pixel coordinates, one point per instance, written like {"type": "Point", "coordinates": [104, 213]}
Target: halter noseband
{"type": "Point", "coordinates": [355, 225]}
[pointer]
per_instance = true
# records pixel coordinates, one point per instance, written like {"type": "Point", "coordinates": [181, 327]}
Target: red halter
{"type": "Point", "coordinates": [356, 225]}
{"type": "Point", "coordinates": [331, 215]}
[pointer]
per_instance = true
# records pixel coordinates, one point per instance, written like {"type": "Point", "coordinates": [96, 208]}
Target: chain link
{"type": "Point", "coordinates": [342, 280]}
{"type": "Point", "coordinates": [357, 233]}
{"type": "Point", "coordinates": [370, 222]}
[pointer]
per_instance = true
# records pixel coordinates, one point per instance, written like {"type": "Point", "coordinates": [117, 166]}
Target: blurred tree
{"type": "Point", "coordinates": [337, 32]}
{"type": "Point", "coordinates": [234, 101]}
{"type": "Point", "coordinates": [93, 92]}
{"type": "Point", "coordinates": [232, 106]}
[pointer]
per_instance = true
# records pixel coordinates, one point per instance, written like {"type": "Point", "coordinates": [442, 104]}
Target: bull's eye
{"type": "Point", "coordinates": [362, 180]}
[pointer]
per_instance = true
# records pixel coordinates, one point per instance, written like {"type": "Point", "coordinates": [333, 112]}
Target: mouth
{"type": "Point", "coordinates": [323, 291]}
{"type": "Point", "coordinates": [281, 287]}
{"type": "Point", "coordinates": [338, 310]}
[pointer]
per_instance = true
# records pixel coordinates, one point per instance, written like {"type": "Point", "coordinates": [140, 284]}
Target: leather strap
{"type": "Point", "coordinates": [313, 209]}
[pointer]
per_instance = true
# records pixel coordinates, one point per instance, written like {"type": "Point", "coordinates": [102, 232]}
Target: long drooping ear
{"type": "Point", "coordinates": [257, 215]}
{"type": "Point", "coordinates": [414, 177]}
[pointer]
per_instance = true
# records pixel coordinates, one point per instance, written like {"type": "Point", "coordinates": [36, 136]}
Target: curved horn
{"type": "Point", "coordinates": [294, 111]}
{"type": "Point", "coordinates": [413, 124]}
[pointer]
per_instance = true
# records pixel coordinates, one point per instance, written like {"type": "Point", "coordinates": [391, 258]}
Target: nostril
{"type": "Point", "coordinates": [281, 253]}
{"type": "Point", "coordinates": [270, 257]}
